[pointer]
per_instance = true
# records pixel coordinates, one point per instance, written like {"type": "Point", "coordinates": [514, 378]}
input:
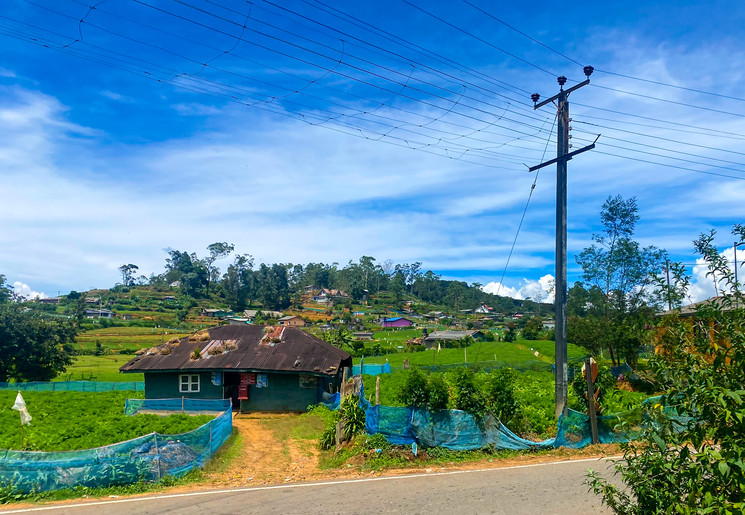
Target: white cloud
{"type": "Point", "coordinates": [25, 291]}
{"type": "Point", "coordinates": [702, 285]}
{"type": "Point", "coordinates": [541, 290]}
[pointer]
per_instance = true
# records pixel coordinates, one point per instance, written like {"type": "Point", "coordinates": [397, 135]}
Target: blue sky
{"type": "Point", "coordinates": [324, 130]}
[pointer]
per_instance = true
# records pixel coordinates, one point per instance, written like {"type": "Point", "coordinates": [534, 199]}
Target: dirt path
{"type": "Point", "coordinates": [270, 455]}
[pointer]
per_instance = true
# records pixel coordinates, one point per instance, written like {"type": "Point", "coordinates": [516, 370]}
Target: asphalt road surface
{"type": "Point", "coordinates": [541, 489]}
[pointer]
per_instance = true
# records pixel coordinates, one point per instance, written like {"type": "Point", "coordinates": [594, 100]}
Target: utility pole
{"type": "Point", "coordinates": [669, 297]}
{"type": "Point", "coordinates": [562, 156]}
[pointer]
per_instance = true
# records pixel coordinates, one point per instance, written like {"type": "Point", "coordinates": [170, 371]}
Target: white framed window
{"type": "Point", "coordinates": [188, 383]}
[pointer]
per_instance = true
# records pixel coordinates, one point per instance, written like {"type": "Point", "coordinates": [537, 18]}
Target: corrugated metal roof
{"type": "Point", "coordinates": [449, 335]}
{"type": "Point", "coordinates": [285, 349]}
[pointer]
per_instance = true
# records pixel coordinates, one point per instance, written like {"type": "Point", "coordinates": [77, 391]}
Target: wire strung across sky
{"type": "Point", "coordinates": [362, 80]}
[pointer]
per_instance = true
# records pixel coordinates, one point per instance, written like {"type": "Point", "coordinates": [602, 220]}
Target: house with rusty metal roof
{"type": "Point", "coordinates": [261, 368]}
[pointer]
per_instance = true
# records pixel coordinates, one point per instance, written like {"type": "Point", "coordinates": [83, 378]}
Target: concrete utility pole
{"type": "Point", "coordinates": [562, 156]}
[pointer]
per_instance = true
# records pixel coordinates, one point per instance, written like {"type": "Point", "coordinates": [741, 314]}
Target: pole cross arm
{"type": "Point", "coordinates": [565, 157]}
{"type": "Point", "coordinates": [563, 92]}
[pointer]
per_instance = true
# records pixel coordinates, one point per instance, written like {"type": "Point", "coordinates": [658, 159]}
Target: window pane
{"type": "Point", "coordinates": [194, 387]}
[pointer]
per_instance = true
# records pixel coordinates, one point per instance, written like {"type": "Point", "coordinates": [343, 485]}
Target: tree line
{"type": "Point", "coordinates": [281, 285]}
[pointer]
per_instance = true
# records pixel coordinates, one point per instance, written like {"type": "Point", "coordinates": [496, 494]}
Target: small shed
{"type": "Point", "coordinates": [397, 322]}
{"type": "Point", "coordinates": [433, 338]}
{"type": "Point", "coordinates": [291, 321]}
{"type": "Point", "coordinates": [261, 368]}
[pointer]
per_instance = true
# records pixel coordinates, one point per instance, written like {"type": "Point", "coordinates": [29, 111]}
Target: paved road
{"type": "Point", "coordinates": [528, 489]}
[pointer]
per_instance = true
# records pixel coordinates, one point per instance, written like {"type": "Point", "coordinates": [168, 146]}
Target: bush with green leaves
{"type": "Point", "coordinates": [439, 393]}
{"type": "Point", "coordinates": [414, 390]}
{"type": "Point", "coordinates": [499, 394]}
{"type": "Point", "coordinates": [690, 459]}
{"type": "Point", "coordinates": [352, 417]}
{"type": "Point", "coordinates": [605, 382]}
{"type": "Point", "coordinates": [465, 394]}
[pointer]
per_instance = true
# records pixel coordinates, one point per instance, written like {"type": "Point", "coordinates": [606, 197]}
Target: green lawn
{"type": "Point", "coordinates": [485, 353]}
{"type": "Point", "coordinates": [99, 368]}
{"type": "Point", "coordinates": [75, 420]}
{"type": "Point", "coordinates": [115, 339]}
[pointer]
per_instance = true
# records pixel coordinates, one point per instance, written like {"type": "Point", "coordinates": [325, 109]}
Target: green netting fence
{"type": "Point", "coordinates": [75, 386]}
{"type": "Point", "coordinates": [147, 458]}
{"type": "Point", "coordinates": [181, 404]}
{"type": "Point", "coordinates": [458, 430]}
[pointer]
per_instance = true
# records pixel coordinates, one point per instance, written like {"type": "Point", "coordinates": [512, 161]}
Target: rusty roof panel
{"type": "Point", "coordinates": [288, 349]}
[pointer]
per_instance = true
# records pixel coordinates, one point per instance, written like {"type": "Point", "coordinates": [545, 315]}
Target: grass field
{"type": "Point", "coordinates": [75, 420]}
{"type": "Point", "coordinates": [115, 339]}
{"type": "Point", "coordinates": [99, 368]}
{"type": "Point", "coordinates": [513, 354]}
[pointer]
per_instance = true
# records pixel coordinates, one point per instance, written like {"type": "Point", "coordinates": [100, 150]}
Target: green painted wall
{"type": "Point", "coordinates": [283, 394]}
{"type": "Point", "coordinates": [165, 385]}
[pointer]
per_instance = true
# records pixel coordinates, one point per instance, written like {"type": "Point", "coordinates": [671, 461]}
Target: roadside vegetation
{"type": "Point", "coordinates": [64, 421]}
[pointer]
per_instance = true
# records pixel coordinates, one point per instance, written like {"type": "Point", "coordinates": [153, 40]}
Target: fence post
{"type": "Point", "coordinates": [591, 400]}
{"type": "Point", "coordinates": [157, 455]}
{"type": "Point", "coordinates": [212, 452]}
{"type": "Point", "coordinates": [377, 390]}
{"type": "Point", "coordinates": [182, 404]}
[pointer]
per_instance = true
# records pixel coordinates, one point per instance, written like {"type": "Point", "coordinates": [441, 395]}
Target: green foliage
{"type": "Point", "coordinates": [510, 332]}
{"type": "Point", "coordinates": [533, 328]}
{"type": "Point", "coordinates": [617, 272]}
{"type": "Point", "coordinates": [695, 463]}
{"type": "Point", "coordinates": [414, 390]}
{"type": "Point", "coordinates": [605, 382]}
{"type": "Point", "coordinates": [352, 417]}
{"type": "Point", "coordinates": [465, 394]}
{"type": "Point", "coordinates": [439, 393]}
{"type": "Point", "coordinates": [64, 421]}
{"type": "Point", "coordinates": [6, 293]}
{"type": "Point", "coordinates": [499, 394]}
{"type": "Point", "coordinates": [376, 441]}
{"type": "Point", "coordinates": [32, 347]}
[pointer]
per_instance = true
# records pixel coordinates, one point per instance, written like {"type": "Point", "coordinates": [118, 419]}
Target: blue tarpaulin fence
{"type": "Point", "coordinates": [371, 369]}
{"type": "Point", "coordinates": [182, 404]}
{"type": "Point", "coordinates": [75, 386]}
{"type": "Point", "coordinates": [147, 458]}
{"type": "Point", "coordinates": [458, 430]}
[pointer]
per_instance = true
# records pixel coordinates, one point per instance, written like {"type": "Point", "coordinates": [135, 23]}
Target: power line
{"type": "Point", "coordinates": [525, 210]}
{"type": "Point", "coordinates": [356, 132]}
{"type": "Point", "coordinates": [678, 124]}
{"type": "Point", "coordinates": [400, 127]}
{"type": "Point", "coordinates": [671, 166]}
{"type": "Point", "coordinates": [667, 100]}
{"type": "Point", "coordinates": [649, 81]}
{"type": "Point", "coordinates": [478, 38]}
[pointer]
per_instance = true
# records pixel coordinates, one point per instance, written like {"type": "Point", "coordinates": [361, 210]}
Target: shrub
{"type": "Point", "coordinates": [694, 466]}
{"type": "Point", "coordinates": [352, 417]}
{"type": "Point", "coordinates": [466, 396]}
{"type": "Point", "coordinates": [499, 394]}
{"type": "Point", "coordinates": [439, 394]}
{"type": "Point", "coordinates": [414, 390]}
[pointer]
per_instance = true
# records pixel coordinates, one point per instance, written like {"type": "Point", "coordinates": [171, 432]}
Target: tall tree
{"type": "Point", "coordinates": [239, 282]}
{"type": "Point", "coordinates": [6, 294]}
{"type": "Point", "coordinates": [688, 457]}
{"type": "Point", "coordinates": [216, 251]}
{"type": "Point", "coordinates": [33, 348]}
{"type": "Point", "coordinates": [618, 267]}
{"type": "Point", "coordinates": [128, 272]}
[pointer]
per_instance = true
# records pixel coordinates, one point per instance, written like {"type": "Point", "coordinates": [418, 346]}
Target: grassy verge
{"type": "Point", "coordinates": [99, 368]}
{"type": "Point", "coordinates": [64, 421]}
{"type": "Point", "coordinates": [367, 453]}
